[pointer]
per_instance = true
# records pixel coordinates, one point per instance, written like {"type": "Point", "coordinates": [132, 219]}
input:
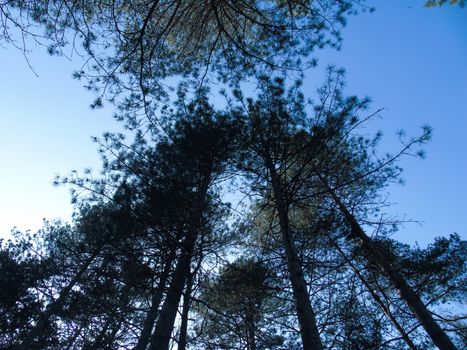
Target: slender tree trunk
{"type": "Point", "coordinates": [436, 333]}
{"type": "Point", "coordinates": [164, 327]}
{"type": "Point", "coordinates": [306, 317]}
{"type": "Point", "coordinates": [156, 299]}
{"type": "Point", "coordinates": [99, 342]}
{"type": "Point", "coordinates": [162, 334]}
{"type": "Point", "coordinates": [378, 300]}
{"type": "Point", "coordinates": [55, 306]}
{"type": "Point", "coordinates": [251, 332]}
{"type": "Point", "coordinates": [182, 340]}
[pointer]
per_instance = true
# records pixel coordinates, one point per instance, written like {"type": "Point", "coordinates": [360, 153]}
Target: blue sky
{"type": "Point", "coordinates": [408, 59]}
{"type": "Point", "coordinates": [45, 129]}
{"type": "Point", "coordinates": [413, 62]}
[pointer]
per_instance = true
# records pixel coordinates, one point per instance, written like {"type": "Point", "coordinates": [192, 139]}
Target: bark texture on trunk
{"type": "Point", "coordinates": [436, 333]}
{"type": "Point", "coordinates": [306, 316]}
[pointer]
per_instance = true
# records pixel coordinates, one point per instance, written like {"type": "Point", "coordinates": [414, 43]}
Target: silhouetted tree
{"type": "Point", "coordinates": [20, 273]}
{"type": "Point", "coordinates": [233, 309]}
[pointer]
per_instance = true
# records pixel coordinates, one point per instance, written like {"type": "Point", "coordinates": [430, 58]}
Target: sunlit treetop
{"type": "Point", "coordinates": [130, 48]}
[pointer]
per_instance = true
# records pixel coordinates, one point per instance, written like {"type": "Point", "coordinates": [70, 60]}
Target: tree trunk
{"type": "Point", "coordinates": [182, 340]}
{"type": "Point", "coordinates": [306, 317]}
{"type": "Point", "coordinates": [115, 330]}
{"type": "Point", "coordinates": [164, 327]}
{"type": "Point", "coordinates": [436, 333]}
{"type": "Point", "coordinates": [155, 302]}
{"type": "Point", "coordinates": [251, 332]}
{"type": "Point", "coordinates": [98, 341]}
{"type": "Point", "coordinates": [162, 334]}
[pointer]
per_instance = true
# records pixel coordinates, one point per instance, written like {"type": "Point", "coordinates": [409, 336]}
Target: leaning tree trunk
{"type": "Point", "coordinates": [73, 338]}
{"type": "Point", "coordinates": [162, 334]}
{"type": "Point", "coordinates": [98, 341]}
{"type": "Point", "coordinates": [306, 317]}
{"type": "Point", "coordinates": [156, 299]}
{"type": "Point", "coordinates": [436, 333]}
{"type": "Point", "coordinates": [164, 327]}
{"type": "Point", "coordinates": [115, 330]}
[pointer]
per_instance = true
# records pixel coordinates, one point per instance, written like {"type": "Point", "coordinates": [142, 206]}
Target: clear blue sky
{"type": "Point", "coordinates": [410, 60]}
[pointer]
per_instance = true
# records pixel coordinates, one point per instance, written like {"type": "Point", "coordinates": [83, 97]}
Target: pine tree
{"type": "Point", "coordinates": [234, 309]}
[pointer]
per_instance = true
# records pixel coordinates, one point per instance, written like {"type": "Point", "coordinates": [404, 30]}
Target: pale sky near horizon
{"type": "Point", "coordinates": [408, 59]}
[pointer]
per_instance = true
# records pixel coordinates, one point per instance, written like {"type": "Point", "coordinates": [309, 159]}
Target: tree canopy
{"type": "Point", "coordinates": [131, 48]}
{"type": "Point", "coordinates": [149, 259]}
{"type": "Point", "coordinates": [156, 257]}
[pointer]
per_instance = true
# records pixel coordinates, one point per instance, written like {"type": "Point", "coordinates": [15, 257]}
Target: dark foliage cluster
{"type": "Point", "coordinates": [150, 257]}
